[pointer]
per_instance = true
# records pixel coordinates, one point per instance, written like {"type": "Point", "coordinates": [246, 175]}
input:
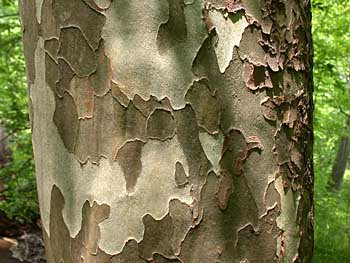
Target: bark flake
{"type": "Point", "coordinates": [75, 50]}
{"type": "Point", "coordinates": [51, 46]}
{"type": "Point", "coordinates": [129, 158]}
{"type": "Point", "coordinates": [66, 120]}
{"type": "Point", "coordinates": [205, 106]}
{"type": "Point", "coordinates": [161, 125]}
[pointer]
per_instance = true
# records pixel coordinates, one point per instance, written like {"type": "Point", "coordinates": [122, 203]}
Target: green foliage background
{"type": "Point", "coordinates": [331, 38]}
{"type": "Point", "coordinates": [20, 198]}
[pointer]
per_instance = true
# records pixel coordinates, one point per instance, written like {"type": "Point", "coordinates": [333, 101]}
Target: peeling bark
{"type": "Point", "coordinates": [172, 131]}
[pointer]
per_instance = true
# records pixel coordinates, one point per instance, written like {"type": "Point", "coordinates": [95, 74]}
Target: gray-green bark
{"type": "Point", "coordinates": [172, 131]}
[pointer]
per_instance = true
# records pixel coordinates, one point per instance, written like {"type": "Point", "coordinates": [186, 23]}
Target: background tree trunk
{"type": "Point", "coordinates": [340, 164]}
{"type": "Point", "coordinates": [5, 152]}
{"type": "Point", "coordinates": [172, 131]}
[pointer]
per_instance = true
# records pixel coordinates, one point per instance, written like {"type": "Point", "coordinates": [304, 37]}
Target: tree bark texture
{"type": "Point", "coordinates": [172, 131]}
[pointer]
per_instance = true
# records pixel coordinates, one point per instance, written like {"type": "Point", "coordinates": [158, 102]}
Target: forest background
{"type": "Point", "coordinates": [331, 40]}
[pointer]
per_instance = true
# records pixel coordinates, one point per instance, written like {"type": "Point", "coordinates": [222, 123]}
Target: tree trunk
{"type": "Point", "coordinates": [340, 164]}
{"type": "Point", "coordinates": [172, 131]}
{"type": "Point", "coordinates": [5, 151]}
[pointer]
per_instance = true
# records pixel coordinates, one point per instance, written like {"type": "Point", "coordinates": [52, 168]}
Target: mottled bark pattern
{"type": "Point", "coordinates": [172, 131]}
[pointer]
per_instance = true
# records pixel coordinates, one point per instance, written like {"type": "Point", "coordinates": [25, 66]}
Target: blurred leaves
{"type": "Point", "coordinates": [19, 198]}
{"type": "Point", "coordinates": [331, 35]}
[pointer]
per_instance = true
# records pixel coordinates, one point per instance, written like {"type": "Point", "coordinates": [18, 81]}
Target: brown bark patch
{"type": "Point", "coordinates": [79, 15]}
{"type": "Point", "coordinates": [130, 254]}
{"type": "Point", "coordinates": [83, 95]}
{"type": "Point", "coordinates": [256, 77]}
{"type": "Point", "coordinates": [205, 105]}
{"type": "Point", "coordinates": [236, 150]}
{"type": "Point", "coordinates": [66, 74]}
{"type": "Point", "coordinates": [146, 107]}
{"type": "Point", "coordinates": [264, 238]}
{"type": "Point", "coordinates": [162, 238]}
{"type": "Point", "coordinates": [182, 221]}
{"type": "Point", "coordinates": [249, 49]}
{"type": "Point", "coordinates": [225, 189]}
{"type": "Point", "coordinates": [157, 237]}
{"type": "Point", "coordinates": [282, 146]}
{"type": "Point", "coordinates": [135, 123]}
{"type": "Point", "coordinates": [49, 27]}
{"type": "Point", "coordinates": [175, 29]}
{"type": "Point", "coordinates": [214, 238]}
{"type": "Point", "coordinates": [60, 247]}
{"type": "Point", "coordinates": [51, 73]}
{"type": "Point", "coordinates": [85, 244]}
{"type": "Point", "coordinates": [98, 134]}
{"type": "Point", "coordinates": [101, 78]}
{"type": "Point", "coordinates": [129, 158]}
{"type": "Point", "coordinates": [187, 135]}
{"type": "Point", "coordinates": [161, 125]}
{"type": "Point", "coordinates": [76, 51]}
{"type": "Point", "coordinates": [51, 46]}
{"type": "Point", "coordinates": [66, 120]}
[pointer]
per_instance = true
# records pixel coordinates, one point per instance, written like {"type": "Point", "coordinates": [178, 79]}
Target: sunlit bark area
{"type": "Point", "coordinates": [172, 131]}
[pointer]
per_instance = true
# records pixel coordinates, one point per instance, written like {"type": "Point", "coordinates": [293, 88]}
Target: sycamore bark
{"type": "Point", "coordinates": [172, 131]}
